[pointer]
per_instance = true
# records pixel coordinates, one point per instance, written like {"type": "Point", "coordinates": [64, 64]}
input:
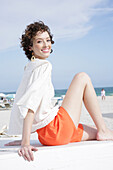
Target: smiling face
{"type": "Point", "coordinates": [41, 45]}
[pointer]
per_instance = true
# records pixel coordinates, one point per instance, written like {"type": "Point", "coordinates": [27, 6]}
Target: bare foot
{"type": "Point", "coordinates": [14, 143]}
{"type": "Point", "coordinates": [102, 136]}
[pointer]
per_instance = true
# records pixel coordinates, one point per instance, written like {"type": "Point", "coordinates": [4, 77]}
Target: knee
{"type": "Point", "coordinates": [82, 76]}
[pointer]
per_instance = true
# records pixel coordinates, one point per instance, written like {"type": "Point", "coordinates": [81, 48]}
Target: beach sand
{"type": "Point", "coordinates": [106, 107]}
{"type": "Point", "coordinates": [4, 118]}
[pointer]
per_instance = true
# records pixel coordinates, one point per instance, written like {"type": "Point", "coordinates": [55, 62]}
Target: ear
{"type": "Point", "coordinates": [30, 48]}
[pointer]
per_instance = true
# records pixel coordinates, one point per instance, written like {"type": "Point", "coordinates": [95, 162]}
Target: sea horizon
{"type": "Point", "coordinates": [60, 92]}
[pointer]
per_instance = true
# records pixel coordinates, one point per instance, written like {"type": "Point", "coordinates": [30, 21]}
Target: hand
{"type": "Point", "coordinates": [14, 143]}
{"type": "Point", "coordinates": [26, 152]}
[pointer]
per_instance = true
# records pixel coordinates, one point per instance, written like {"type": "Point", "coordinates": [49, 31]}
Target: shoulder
{"type": "Point", "coordinates": [44, 66]}
{"type": "Point", "coordinates": [37, 64]}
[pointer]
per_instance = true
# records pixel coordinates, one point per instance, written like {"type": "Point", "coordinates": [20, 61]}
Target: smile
{"type": "Point", "coordinates": [45, 50]}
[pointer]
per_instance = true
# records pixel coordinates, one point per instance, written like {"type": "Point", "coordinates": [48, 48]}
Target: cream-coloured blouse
{"type": "Point", "coordinates": [35, 92]}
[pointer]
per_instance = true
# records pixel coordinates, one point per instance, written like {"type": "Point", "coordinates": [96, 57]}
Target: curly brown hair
{"type": "Point", "coordinates": [30, 33]}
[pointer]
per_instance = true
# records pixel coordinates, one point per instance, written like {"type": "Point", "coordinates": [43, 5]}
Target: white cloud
{"type": "Point", "coordinates": [67, 19]}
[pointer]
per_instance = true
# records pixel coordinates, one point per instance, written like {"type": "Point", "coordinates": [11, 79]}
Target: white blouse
{"type": "Point", "coordinates": [35, 92]}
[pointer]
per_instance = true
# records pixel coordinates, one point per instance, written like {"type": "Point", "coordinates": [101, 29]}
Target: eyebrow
{"type": "Point", "coordinates": [42, 38]}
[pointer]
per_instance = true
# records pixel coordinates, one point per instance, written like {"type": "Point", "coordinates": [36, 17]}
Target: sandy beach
{"type": "Point", "coordinates": [106, 107]}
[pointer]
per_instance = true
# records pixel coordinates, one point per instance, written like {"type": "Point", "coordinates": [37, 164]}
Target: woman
{"type": "Point", "coordinates": [103, 94]}
{"type": "Point", "coordinates": [32, 110]}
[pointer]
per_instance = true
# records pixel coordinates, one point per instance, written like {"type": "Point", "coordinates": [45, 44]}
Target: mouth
{"type": "Point", "coordinates": [45, 50]}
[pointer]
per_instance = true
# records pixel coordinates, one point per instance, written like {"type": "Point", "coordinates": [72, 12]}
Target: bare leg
{"type": "Point", "coordinates": [81, 89]}
{"type": "Point", "coordinates": [89, 133]}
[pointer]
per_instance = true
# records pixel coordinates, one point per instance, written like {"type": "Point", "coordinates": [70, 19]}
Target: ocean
{"type": "Point", "coordinates": [60, 92]}
{"type": "Point", "coordinates": [108, 90]}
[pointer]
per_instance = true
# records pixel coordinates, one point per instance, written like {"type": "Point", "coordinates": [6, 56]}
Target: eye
{"type": "Point", "coordinates": [48, 40]}
{"type": "Point", "coordinates": [39, 42]}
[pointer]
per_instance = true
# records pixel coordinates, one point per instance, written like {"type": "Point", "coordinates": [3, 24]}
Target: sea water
{"type": "Point", "coordinates": [108, 90]}
{"type": "Point", "coordinates": [60, 92]}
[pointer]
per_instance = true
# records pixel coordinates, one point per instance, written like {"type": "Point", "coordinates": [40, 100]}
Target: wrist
{"type": "Point", "coordinates": [25, 143]}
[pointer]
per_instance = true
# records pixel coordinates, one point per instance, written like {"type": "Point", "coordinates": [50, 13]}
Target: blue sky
{"type": "Point", "coordinates": [83, 34]}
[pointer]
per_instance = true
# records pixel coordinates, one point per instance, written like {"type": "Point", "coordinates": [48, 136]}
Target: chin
{"type": "Point", "coordinates": [44, 57]}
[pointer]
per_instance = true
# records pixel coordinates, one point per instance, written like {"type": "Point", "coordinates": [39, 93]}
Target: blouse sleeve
{"type": "Point", "coordinates": [34, 91]}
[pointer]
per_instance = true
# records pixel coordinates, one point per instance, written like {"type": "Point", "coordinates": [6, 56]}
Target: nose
{"type": "Point", "coordinates": [45, 44]}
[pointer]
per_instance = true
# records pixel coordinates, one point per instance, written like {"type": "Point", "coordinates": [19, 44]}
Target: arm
{"type": "Point", "coordinates": [26, 149]}
{"type": "Point", "coordinates": [27, 125]}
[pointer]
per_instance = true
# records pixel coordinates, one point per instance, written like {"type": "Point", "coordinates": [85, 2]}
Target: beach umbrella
{"type": "Point", "coordinates": [10, 96]}
{"type": "Point", "coordinates": [2, 95]}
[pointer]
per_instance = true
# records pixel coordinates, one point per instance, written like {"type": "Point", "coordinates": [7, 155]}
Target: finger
{"type": "Point", "coordinates": [31, 154]}
{"type": "Point", "coordinates": [26, 155]}
{"type": "Point", "coordinates": [34, 149]}
{"type": "Point", "coordinates": [22, 151]}
{"type": "Point", "coordinates": [19, 152]}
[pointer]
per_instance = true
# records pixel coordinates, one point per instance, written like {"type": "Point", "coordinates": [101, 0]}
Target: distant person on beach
{"type": "Point", "coordinates": [103, 94]}
{"type": "Point", "coordinates": [32, 110]}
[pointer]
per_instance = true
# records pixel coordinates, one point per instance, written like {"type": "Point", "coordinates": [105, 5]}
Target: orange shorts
{"type": "Point", "coordinates": [60, 131]}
